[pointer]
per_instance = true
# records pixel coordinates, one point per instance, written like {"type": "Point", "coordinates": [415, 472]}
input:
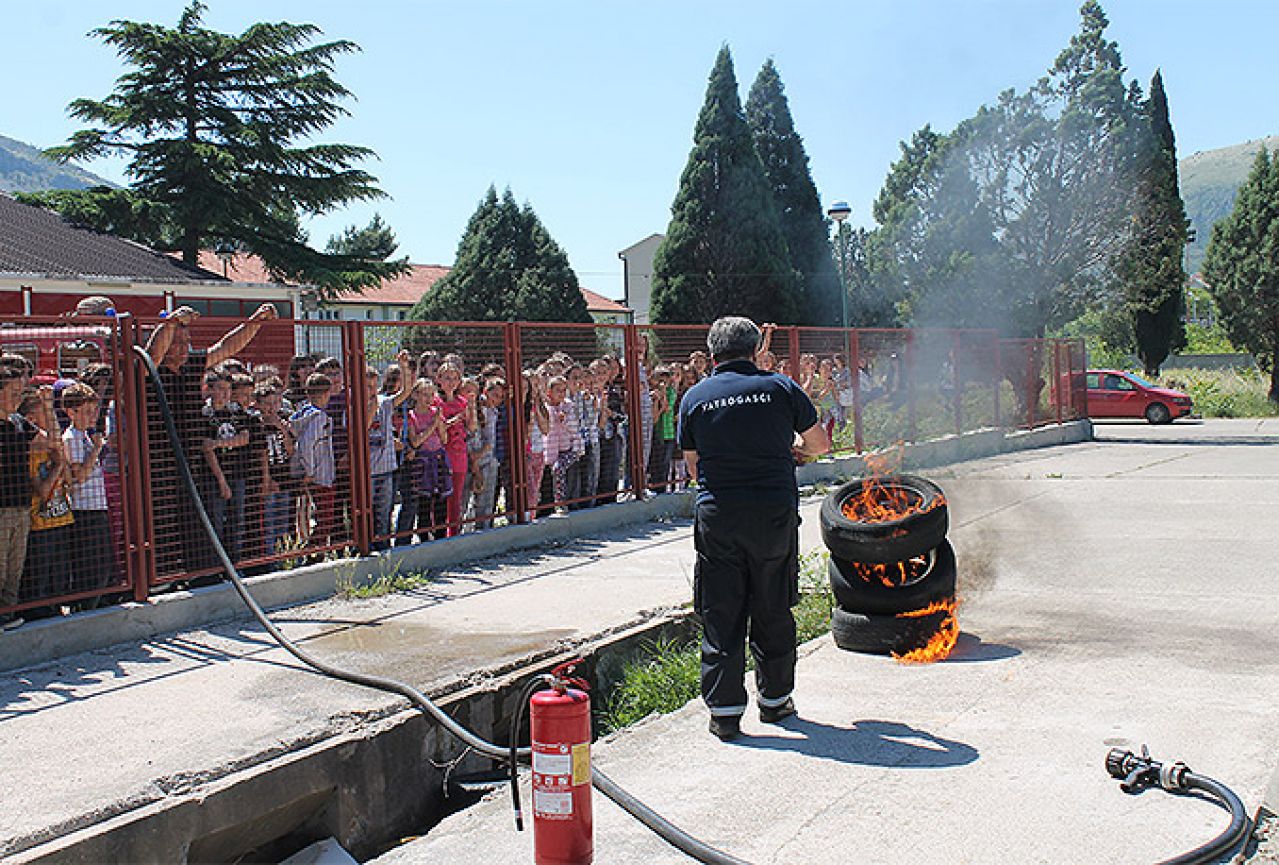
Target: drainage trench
{"type": "Point", "coordinates": [369, 787]}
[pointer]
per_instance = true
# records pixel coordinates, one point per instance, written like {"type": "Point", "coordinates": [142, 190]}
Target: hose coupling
{"type": "Point", "coordinates": [1136, 772]}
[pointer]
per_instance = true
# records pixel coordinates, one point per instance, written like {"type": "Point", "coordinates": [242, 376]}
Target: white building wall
{"type": "Point", "coordinates": [637, 273]}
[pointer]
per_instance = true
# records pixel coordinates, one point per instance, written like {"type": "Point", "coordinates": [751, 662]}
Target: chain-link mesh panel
{"type": "Point", "coordinates": [1074, 367]}
{"type": "Point", "coordinates": [884, 393]}
{"type": "Point", "coordinates": [823, 371]}
{"type": "Point", "coordinates": [676, 359]}
{"type": "Point", "coordinates": [267, 431]}
{"type": "Point", "coordinates": [579, 406]}
{"type": "Point", "coordinates": [318, 339]}
{"type": "Point", "coordinates": [977, 374]}
{"type": "Point", "coordinates": [1026, 367]}
{"type": "Point", "coordinates": [61, 499]}
{"type": "Point", "coordinates": [443, 465]}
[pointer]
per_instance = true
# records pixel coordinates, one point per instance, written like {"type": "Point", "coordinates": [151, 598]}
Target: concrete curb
{"type": "Point", "coordinates": [46, 640]}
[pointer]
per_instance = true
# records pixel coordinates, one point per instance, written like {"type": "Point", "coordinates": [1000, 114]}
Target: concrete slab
{"type": "Point", "coordinates": [43, 641]}
{"type": "Point", "coordinates": [1115, 593]}
{"type": "Point", "coordinates": [98, 734]}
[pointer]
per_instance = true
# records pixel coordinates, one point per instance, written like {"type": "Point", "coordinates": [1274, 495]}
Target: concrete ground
{"type": "Point", "coordinates": [1114, 593]}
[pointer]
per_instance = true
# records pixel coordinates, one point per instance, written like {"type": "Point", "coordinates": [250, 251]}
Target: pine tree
{"type": "Point", "coordinates": [724, 253]}
{"type": "Point", "coordinates": [508, 268]}
{"type": "Point", "coordinates": [376, 240]}
{"type": "Point", "coordinates": [1151, 266]}
{"type": "Point", "coordinates": [212, 125]}
{"type": "Point", "coordinates": [1242, 267]}
{"type": "Point", "coordinates": [799, 208]}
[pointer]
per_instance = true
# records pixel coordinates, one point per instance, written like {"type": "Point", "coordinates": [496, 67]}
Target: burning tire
{"type": "Point", "coordinates": [884, 519]}
{"type": "Point", "coordinates": [898, 635]}
{"type": "Point", "coordinates": [899, 587]}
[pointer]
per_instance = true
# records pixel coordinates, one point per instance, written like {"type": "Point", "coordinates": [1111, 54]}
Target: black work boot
{"type": "Point", "coordinates": [775, 714]}
{"type": "Point", "coordinates": [726, 727]}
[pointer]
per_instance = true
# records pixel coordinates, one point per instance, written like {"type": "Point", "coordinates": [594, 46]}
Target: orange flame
{"type": "Point", "coordinates": [892, 574]}
{"type": "Point", "coordinates": [942, 642]}
{"type": "Point", "coordinates": [880, 501]}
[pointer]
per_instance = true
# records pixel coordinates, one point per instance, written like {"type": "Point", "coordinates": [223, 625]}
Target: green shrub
{"type": "Point", "coordinates": [1224, 392]}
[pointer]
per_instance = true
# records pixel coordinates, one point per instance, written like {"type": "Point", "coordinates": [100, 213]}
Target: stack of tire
{"type": "Point", "coordinates": [868, 614]}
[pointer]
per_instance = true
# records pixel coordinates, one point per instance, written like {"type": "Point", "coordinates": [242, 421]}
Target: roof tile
{"type": "Point", "coordinates": [37, 241]}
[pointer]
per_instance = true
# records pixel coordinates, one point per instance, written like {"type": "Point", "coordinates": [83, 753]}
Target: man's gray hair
{"type": "Point", "coordinates": [733, 338]}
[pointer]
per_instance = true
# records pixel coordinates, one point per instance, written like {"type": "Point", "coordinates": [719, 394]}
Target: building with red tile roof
{"type": "Point", "coordinates": [390, 301]}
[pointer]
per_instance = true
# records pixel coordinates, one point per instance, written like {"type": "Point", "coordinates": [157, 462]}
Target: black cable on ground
{"type": "Point", "coordinates": [669, 832]}
{"type": "Point", "coordinates": [1139, 772]}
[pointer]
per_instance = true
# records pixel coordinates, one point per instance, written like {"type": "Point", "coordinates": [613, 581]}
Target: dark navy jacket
{"type": "Point", "coordinates": [742, 423]}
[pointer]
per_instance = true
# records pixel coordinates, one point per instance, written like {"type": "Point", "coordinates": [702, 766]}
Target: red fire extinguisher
{"type": "Point", "coordinates": [563, 832]}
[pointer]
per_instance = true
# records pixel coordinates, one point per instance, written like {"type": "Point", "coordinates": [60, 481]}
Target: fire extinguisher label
{"type": "Point", "coordinates": [582, 763]}
{"type": "Point", "coordinates": [553, 763]}
{"type": "Point", "coordinates": [548, 804]}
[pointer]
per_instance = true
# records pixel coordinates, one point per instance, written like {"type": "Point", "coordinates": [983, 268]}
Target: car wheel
{"type": "Point", "coordinates": [882, 635]}
{"type": "Point", "coordinates": [894, 540]}
{"type": "Point", "coordinates": [853, 592]}
{"type": "Point", "coordinates": [1158, 413]}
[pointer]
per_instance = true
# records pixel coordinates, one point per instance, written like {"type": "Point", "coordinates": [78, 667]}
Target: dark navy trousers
{"type": "Point", "coordinates": [746, 582]}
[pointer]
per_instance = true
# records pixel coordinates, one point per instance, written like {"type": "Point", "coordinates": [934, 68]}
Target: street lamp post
{"type": "Point", "coordinates": [839, 212]}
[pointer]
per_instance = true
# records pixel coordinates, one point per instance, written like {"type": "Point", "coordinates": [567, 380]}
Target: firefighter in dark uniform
{"type": "Point", "coordinates": [740, 430]}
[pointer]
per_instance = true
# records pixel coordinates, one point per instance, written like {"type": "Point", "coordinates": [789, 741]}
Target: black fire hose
{"type": "Point", "coordinates": [669, 832]}
{"type": "Point", "coordinates": [1139, 772]}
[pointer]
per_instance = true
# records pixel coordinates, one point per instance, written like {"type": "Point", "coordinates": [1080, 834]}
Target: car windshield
{"type": "Point", "coordinates": [1141, 381]}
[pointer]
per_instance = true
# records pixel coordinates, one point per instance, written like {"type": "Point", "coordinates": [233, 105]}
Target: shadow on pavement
{"type": "Point", "coordinates": [866, 743]}
{"type": "Point", "coordinates": [969, 649]}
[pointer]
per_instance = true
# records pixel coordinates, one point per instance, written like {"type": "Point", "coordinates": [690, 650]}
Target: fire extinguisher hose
{"type": "Point", "coordinates": [650, 818]}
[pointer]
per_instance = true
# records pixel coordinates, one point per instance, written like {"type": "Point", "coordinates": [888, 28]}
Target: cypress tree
{"type": "Point", "coordinates": [724, 253]}
{"type": "Point", "coordinates": [1152, 265]}
{"type": "Point", "coordinates": [799, 209]}
{"type": "Point", "coordinates": [508, 268]}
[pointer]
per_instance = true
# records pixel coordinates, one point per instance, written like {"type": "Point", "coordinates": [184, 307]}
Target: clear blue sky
{"type": "Point", "coordinates": [585, 108]}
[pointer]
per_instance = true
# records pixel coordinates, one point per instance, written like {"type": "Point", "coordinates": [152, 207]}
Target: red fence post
{"type": "Point", "coordinates": [957, 379]}
{"type": "Point", "coordinates": [130, 439]}
{"type": "Point", "coordinates": [635, 419]}
{"type": "Point", "coordinates": [516, 426]}
{"type": "Point", "coordinates": [357, 430]}
{"type": "Point", "coordinates": [1057, 393]}
{"type": "Point", "coordinates": [792, 354]}
{"type": "Point", "coordinates": [855, 369]}
{"type": "Point", "coordinates": [140, 417]}
{"type": "Point", "coordinates": [999, 378]}
{"type": "Point", "coordinates": [1033, 349]}
{"type": "Point", "coordinates": [908, 369]}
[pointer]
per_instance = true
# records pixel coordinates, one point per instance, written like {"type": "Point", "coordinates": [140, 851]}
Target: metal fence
{"type": "Point", "coordinates": [310, 438]}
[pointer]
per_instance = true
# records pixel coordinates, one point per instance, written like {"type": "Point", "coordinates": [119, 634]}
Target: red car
{"type": "Point", "coordinates": [1116, 394]}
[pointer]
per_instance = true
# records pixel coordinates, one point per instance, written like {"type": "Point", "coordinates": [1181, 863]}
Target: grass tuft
{"type": "Point", "coordinates": [384, 585]}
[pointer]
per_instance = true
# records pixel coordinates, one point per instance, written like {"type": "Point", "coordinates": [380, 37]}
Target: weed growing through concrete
{"type": "Point", "coordinates": [386, 584]}
{"type": "Point", "coordinates": [668, 675]}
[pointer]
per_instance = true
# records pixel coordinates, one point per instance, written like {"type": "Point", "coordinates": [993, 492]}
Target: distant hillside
{"type": "Point", "coordinates": [1209, 181]}
{"type": "Point", "coordinates": [24, 168]}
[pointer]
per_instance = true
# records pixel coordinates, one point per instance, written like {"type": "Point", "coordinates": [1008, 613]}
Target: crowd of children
{"type": "Point", "coordinates": [55, 532]}
{"type": "Point", "coordinates": [271, 453]}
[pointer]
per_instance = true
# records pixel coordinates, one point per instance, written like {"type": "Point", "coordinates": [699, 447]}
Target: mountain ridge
{"type": "Point", "coordinates": [24, 168]}
{"type": "Point", "coordinates": [1210, 180]}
